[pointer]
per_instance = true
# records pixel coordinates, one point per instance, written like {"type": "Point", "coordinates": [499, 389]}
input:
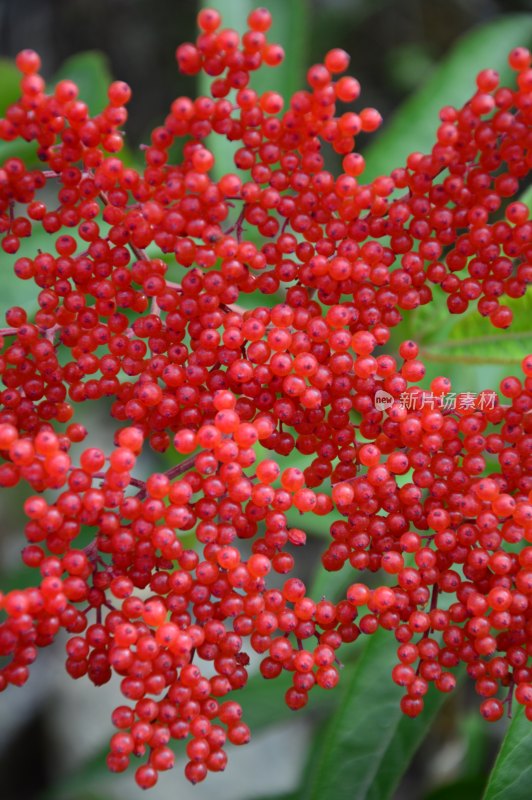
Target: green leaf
{"type": "Point", "coordinates": [331, 585]}
{"type": "Point", "coordinates": [425, 322]}
{"type": "Point", "coordinates": [472, 339]}
{"type": "Point", "coordinates": [511, 776]}
{"type": "Point", "coordinates": [313, 524]}
{"type": "Point", "coordinates": [368, 742]}
{"type": "Point", "coordinates": [409, 735]}
{"type": "Point", "coordinates": [283, 796]}
{"type": "Point", "coordinates": [526, 197]}
{"type": "Point", "coordinates": [475, 734]}
{"type": "Point", "coordinates": [469, 788]}
{"type": "Point", "coordinates": [9, 94]}
{"type": "Point", "coordinates": [234, 14]}
{"type": "Point", "coordinates": [16, 292]}
{"type": "Point", "coordinates": [91, 72]}
{"type": "Point", "coordinates": [414, 126]}
{"type": "Point", "coordinates": [290, 30]}
{"type": "Point", "coordinates": [18, 148]}
{"type": "Point", "coordinates": [9, 84]}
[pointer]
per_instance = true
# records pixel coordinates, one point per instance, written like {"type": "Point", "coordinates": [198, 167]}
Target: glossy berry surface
{"type": "Point", "coordinates": [233, 320]}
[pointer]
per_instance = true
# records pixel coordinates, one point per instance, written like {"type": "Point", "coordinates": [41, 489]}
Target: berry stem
{"type": "Point", "coordinates": [508, 700]}
{"type": "Point", "coordinates": [444, 358]}
{"type": "Point", "coordinates": [173, 472]}
{"type": "Point", "coordinates": [238, 226]}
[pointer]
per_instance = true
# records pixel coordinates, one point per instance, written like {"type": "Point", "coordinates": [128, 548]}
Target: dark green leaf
{"type": "Point", "coordinates": [463, 789]}
{"type": "Point", "coordinates": [284, 796]}
{"type": "Point", "coordinates": [408, 736]}
{"type": "Point", "coordinates": [368, 743]}
{"type": "Point", "coordinates": [413, 127]}
{"type": "Point", "coordinates": [511, 777]}
{"type": "Point", "coordinates": [475, 733]}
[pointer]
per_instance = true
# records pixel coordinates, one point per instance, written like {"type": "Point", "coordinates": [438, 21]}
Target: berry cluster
{"type": "Point", "coordinates": [140, 303]}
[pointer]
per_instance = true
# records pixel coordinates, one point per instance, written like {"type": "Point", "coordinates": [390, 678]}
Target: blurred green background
{"type": "Point", "coordinates": [411, 57]}
{"type": "Point", "coordinates": [394, 44]}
